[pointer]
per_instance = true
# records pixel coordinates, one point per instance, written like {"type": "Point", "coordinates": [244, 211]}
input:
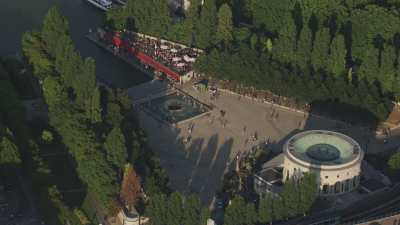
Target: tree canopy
{"type": "Point", "coordinates": [9, 154]}
{"type": "Point", "coordinates": [115, 146]}
{"type": "Point", "coordinates": [318, 42]}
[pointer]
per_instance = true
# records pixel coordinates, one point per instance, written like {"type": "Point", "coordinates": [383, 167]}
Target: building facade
{"type": "Point", "coordinates": [334, 157]}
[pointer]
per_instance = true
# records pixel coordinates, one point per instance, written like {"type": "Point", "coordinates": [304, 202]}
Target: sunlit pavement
{"type": "Point", "coordinates": [198, 166]}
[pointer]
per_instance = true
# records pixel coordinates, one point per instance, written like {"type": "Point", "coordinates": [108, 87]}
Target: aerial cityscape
{"type": "Point", "coordinates": [200, 112]}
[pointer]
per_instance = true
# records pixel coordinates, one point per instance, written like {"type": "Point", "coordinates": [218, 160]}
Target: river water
{"type": "Point", "coordinates": [18, 16]}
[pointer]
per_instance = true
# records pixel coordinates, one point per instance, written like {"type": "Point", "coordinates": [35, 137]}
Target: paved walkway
{"type": "Point", "coordinates": [198, 166]}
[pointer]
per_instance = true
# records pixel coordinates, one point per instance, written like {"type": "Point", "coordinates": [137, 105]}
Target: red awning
{"type": "Point", "coordinates": [117, 41]}
{"type": "Point", "coordinates": [157, 66]}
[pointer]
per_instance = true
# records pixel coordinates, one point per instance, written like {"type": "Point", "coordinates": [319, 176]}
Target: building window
{"type": "Point", "coordinates": [326, 177]}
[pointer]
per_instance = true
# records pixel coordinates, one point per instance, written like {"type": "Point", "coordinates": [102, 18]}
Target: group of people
{"type": "Point", "coordinates": [174, 56]}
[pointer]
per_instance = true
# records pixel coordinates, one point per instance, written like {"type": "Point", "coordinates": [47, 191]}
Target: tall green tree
{"type": "Point", "coordinates": [225, 26]}
{"type": "Point", "coordinates": [193, 212]}
{"type": "Point", "coordinates": [156, 210]}
{"type": "Point", "coordinates": [336, 62]}
{"type": "Point", "coordinates": [32, 47]}
{"type": "Point", "coordinates": [278, 209]}
{"type": "Point", "coordinates": [319, 54]}
{"type": "Point", "coordinates": [308, 192]}
{"type": "Point", "coordinates": [388, 72]}
{"type": "Point", "coordinates": [235, 213]}
{"type": "Point", "coordinates": [207, 24]}
{"type": "Point", "coordinates": [116, 149]}
{"type": "Point", "coordinates": [290, 197]}
{"type": "Point", "coordinates": [265, 210]}
{"type": "Point", "coordinates": [94, 108]}
{"type": "Point", "coordinates": [304, 47]}
{"type": "Point", "coordinates": [369, 68]}
{"type": "Point", "coordinates": [55, 26]}
{"type": "Point", "coordinates": [174, 209]}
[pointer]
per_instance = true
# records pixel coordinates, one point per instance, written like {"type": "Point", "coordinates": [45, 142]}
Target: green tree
{"type": "Point", "coordinates": [118, 17]}
{"type": "Point", "coordinates": [396, 87]}
{"type": "Point", "coordinates": [55, 26]}
{"type": "Point", "coordinates": [304, 47]}
{"type": "Point", "coordinates": [369, 68]}
{"type": "Point", "coordinates": [239, 212]}
{"type": "Point", "coordinates": [116, 149]}
{"type": "Point", "coordinates": [156, 210]}
{"type": "Point", "coordinates": [265, 210]}
{"type": "Point", "coordinates": [113, 115]}
{"type": "Point", "coordinates": [47, 136]}
{"type": "Point", "coordinates": [308, 192]}
{"type": "Point", "coordinates": [207, 24]}
{"type": "Point", "coordinates": [250, 214]}
{"type": "Point", "coordinates": [290, 197]}
{"type": "Point", "coordinates": [193, 212]}
{"type": "Point", "coordinates": [9, 154]}
{"type": "Point", "coordinates": [225, 27]}
{"type": "Point", "coordinates": [94, 111]}
{"type": "Point", "coordinates": [388, 71]}
{"type": "Point", "coordinates": [278, 209]}
{"type": "Point", "coordinates": [337, 58]}
{"type": "Point", "coordinates": [63, 212]}
{"type": "Point", "coordinates": [319, 54]}
{"type": "Point", "coordinates": [174, 209]}
{"type": "Point", "coordinates": [394, 161]}
{"type": "Point", "coordinates": [235, 212]}
{"type": "Point", "coordinates": [32, 47]}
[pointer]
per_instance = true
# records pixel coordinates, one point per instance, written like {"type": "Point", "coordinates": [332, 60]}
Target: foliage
{"type": "Point", "coordinates": [54, 26]}
{"type": "Point", "coordinates": [246, 67]}
{"type": "Point", "coordinates": [225, 26]}
{"type": "Point", "coordinates": [73, 99]}
{"type": "Point", "coordinates": [151, 17]}
{"type": "Point", "coordinates": [394, 161]}
{"type": "Point", "coordinates": [63, 211]}
{"type": "Point", "coordinates": [313, 41]}
{"type": "Point", "coordinates": [239, 212]}
{"type": "Point", "coordinates": [9, 154]}
{"type": "Point", "coordinates": [83, 219]}
{"type": "Point", "coordinates": [130, 188]}
{"type": "Point", "coordinates": [207, 24]}
{"type": "Point", "coordinates": [47, 136]}
{"type": "Point", "coordinates": [296, 199]}
{"type": "Point", "coordinates": [176, 209]}
{"type": "Point", "coordinates": [117, 153]}
{"type": "Point", "coordinates": [265, 210]}
{"type": "Point", "coordinates": [33, 49]}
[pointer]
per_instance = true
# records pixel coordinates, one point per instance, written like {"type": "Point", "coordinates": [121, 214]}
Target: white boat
{"type": "Point", "coordinates": [122, 2]}
{"type": "Point", "coordinates": [102, 4]}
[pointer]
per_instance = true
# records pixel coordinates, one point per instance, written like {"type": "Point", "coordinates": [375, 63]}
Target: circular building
{"type": "Point", "coordinates": [335, 158]}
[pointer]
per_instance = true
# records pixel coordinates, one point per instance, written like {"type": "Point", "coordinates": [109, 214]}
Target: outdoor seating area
{"type": "Point", "coordinates": [176, 57]}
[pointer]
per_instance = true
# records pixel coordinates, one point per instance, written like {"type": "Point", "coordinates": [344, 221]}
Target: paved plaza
{"type": "Point", "coordinates": [196, 153]}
